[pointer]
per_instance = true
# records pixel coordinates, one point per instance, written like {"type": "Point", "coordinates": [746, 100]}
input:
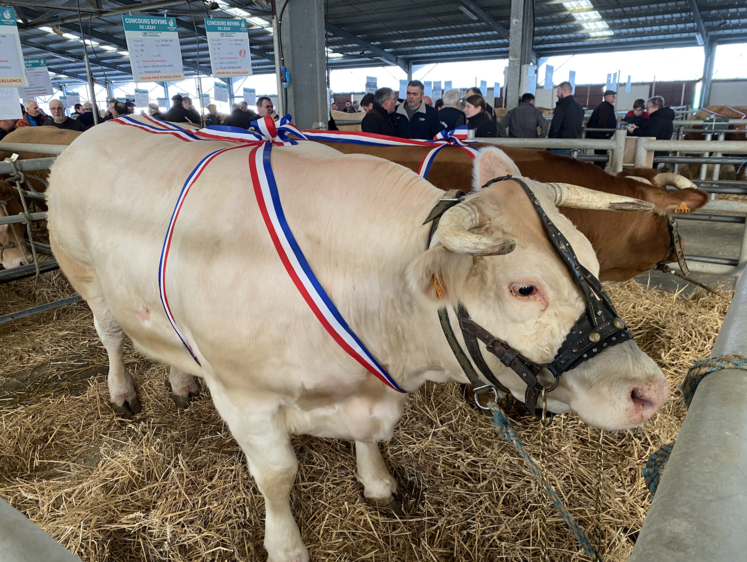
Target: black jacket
{"type": "Point", "coordinates": [178, 114]}
{"type": "Point", "coordinates": [424, 124]}
{"type": "Point", "coordinates": [241, 119]}
{"type": "Point", "coordinates": [660, 124]}
{"type": "Point", "coordinates": [451, 118]}
{"type": "Point", "coordinates": [68, 124]}
{"type": "Point", "coordinates": [567, 120]}
{"type": "Point", "coordinates": [211, 119]}
{"type": "Point", "coordinates": [483, 125]}
{"type": "Point", "coordinates": [603, 117]}
{"type": "Point", "coordinates": [522, 123]}
{"type": "Point", "coordinates": [377, 121]}
{"type": "Point", "coordinates": [87, 119]}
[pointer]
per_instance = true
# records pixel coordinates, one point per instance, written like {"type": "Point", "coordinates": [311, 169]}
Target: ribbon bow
{"type": "Point", "coordinates": [265, 130]}
{"type": "Point", "coordinates": [454, 137]}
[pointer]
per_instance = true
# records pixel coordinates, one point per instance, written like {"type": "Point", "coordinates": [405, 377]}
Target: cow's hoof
{"type": "Point", "coordinates": [183, 402]}
{"type": "Point", "coordinates": [128, 408]}
{"type": "Point", "coordinates": [390, 504]}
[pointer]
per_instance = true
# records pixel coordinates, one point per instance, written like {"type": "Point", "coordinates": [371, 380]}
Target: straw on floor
{"type": "Point", "coordinates": [173, 485]}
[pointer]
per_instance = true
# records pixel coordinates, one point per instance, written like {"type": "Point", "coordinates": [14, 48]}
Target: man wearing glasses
{"type": "Point", "coordinates": [660, 123]}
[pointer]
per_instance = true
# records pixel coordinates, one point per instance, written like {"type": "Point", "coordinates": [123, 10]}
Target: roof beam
{"type": "Point", "coordinates": [702, 34]}
{"type": "Point", "coordinates": [386, 56]}
{"type": "Point", "coordinates": [141, 5]}
{"type": "Point", "coordinates": [71, 57]}
{"type": "Point", "coordinates": [480, 13]}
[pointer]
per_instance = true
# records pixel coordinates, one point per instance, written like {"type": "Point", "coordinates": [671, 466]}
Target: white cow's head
{"type": "Point", "coordinates": [491, 254]}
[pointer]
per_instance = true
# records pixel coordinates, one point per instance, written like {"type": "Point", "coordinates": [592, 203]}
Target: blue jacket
{"type": "Point", "coordinates": [424, 124]}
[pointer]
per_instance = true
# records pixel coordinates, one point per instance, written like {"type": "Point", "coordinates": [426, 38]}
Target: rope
{"type": "Point", "coordinates": [509, 434]}
{"type": "Point", "coordinates": [655, 466]}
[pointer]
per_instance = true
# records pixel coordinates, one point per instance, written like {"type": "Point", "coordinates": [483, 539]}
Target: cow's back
{"type": "Point", "coordinates": [38, 135]}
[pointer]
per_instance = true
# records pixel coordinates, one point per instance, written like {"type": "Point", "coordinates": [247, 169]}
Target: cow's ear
{"type": "Point", "coordinates": [680, 202]}
{"type": "Point", "coordinates": [491, 163]}
{"type": "Point", "coordinates": [438, 276]}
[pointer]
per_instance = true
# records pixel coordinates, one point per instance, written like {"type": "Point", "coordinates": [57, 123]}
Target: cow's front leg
{"type": "Point", "coordinates": [272, 461]}
{"type": "Point", "coordinates": [184, 388]}
{"type": "Point", "coordinates": [379, 486]}
{"type": "Point", "coordinates": [121, 384]}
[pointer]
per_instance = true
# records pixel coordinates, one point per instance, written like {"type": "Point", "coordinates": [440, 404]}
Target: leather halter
{"type": "Point", "coordinates": [596, 330]}
{"type": "Point", "coordinates": [675, 247]}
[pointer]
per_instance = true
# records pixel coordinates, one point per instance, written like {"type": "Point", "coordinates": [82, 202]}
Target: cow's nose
{"type": "Point", "coordinates": [648, 398]}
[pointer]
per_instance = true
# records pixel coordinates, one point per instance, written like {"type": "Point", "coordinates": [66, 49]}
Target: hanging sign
{"type": "Point", "coordinates": [371, 82]}
{"type": "Point", "coordinates": [428, 88]}
{"type": "Point", "coordinates": [9, 106]}
{"type": "Point", "coordinates": [496, 92]}
{"type": "Point", "coordinates": [63, 99]}
{"type": "Point", "coordinates": [532, 79]}
{"type": "Point", "coordinates": [447, 86]}
{"type": "Point", "coordinates": [572, 80]}
{"type": "Point", "coordinates": [438, 93]}
{"type": "Point", "coordinates": [205, 100]}
{"type": "Point", "coordinates": [162, 102]}
{"type": "Point", "coordinates": [153, 43]}
{"type": "Point", "coordinates": [250, 96]}
{"type": "Point", "coordinates": [403, 89]}
{"type": "Point", "coordinates": [484, 87]}
{"type": "Point", "coordinates": [228, 42]}
{"type": "Point", "coordinates": [12, 67]}
{"type": "Point", "coordinates": [548, 77]}
{"type": "Point", "coordinates": [141, 98]}
{"type": "Point", "coordinates": [37, 76]}
{"type": "Point", "coordinates": [72, 99]}
{"type": "Point", "coordinates": [221, 92]}
{"type": "Point", "coordinates": [627, 85]}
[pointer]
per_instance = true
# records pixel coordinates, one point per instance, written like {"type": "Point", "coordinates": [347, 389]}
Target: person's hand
{"type": "Point", "coordinates": [632, 127]}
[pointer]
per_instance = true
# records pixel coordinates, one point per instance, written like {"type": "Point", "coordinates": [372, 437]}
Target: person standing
{"type": "Point", "coordinates": [378, 120]}
{"type": "Point", "coordinates": [7, 126]}
{"type": "Point", "coordinates": [212, 117]}
{"type": "Point", "coordinates": [450, 115]}
{"type": "Point", "coordinates": [60, 120]}
{"type": "Point", "coordinates": [240, 117]}
{"type": "Point", "coordinates": [154, 110]}
{"type": "Point", "coordinates": [637, 116]}
{"type": "Point", "coordinates": [603, 117]}
{"type": "Point", "coordinates": [568, 118]}
{"type": "Point", "coordinates": [265, 108]}
{"type": "Point", "coordinates": [34, 115]}
{"type": "Point", "coordinates": [414, 119]}
{"type": "Point", "coordinates": [523, 121]}
{"type": "Point", "coordinates": [659, 125]}
{"type": "Point", "coordinates": [478, 117]}
{"type": "Point", "coordinates": [367, 102]}
{"type": "Point", "coordinates": [478, 92]}
{"type": "Point", "coordinates": [86, 119]}
{"type": "Point", "coordinates": [192, 114]}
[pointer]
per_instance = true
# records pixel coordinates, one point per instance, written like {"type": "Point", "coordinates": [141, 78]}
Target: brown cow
{"type": "Point", "coordinates": [627, 244]}
{"type": "Point", "coordinates": [11, 255]}
{"type": "Point", "coordinates": [728, 171]}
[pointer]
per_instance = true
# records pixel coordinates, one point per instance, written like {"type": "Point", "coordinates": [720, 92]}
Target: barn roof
{"type": "Point", "coordinates": [364, 33]}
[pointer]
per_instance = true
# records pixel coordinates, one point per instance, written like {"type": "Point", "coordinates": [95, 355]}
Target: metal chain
{"type": "Point", "coordinates": [600, 472]}
{"type": "Point", "coordinates": [542, 538]}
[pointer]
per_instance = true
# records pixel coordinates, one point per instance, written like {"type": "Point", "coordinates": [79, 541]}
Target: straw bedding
{"type": "Point", "coordinates": [171, 485]}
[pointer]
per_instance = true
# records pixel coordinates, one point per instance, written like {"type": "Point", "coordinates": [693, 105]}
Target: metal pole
{"type": "Point", "coordinates": [276, 52]}
{"type": "Point", "coordinates": [166, 93]}
{"type": "Point", "coordinates": [618, 152]}
{"type": "Point", "coordinates": [717, 167]}
{"type": "Point", "coordinates": [91, 91]}
{"type": "Point", "coordinates": [699, 509]}
{"type": "Point", "coordinates": [709, 48]}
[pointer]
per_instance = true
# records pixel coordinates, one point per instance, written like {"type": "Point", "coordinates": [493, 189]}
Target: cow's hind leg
{"type": "Point", "coordinates": [379, 486]}
{"type": "Point", "coordinates": [262, 436]}
{"type": "Point", "coordinates": [184, 388]}
{"type": "Point", "coordinates": [121, 384]}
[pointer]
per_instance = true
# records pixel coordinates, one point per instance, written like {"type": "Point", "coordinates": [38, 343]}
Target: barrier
{"type": "Point", "coordinates": [699, 509]}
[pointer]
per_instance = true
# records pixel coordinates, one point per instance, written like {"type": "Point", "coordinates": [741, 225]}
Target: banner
{"type": "Point", "coordinates": [484, 87]}
{"type": "Point", "coordinates": [532, 80]}
{"type": "Point", "coordinates": [438, 93]}
{"type": "Point", "coordinates": [428, 89]}
{"type": "Point", "coordinates": [627, 85]}
{"type": "Point", "coordinates": [12, 67]}
{"type": "Point", "coordinates": [228, 42]}
{"type": "Point", "coordinates": [37, 76]}
{"type": "Point", "coordinates": [496, 92]}
{"type": "Point", "coordinates": [371, 82]}
{"type": "Point", "coordinates": [572, 80]}
{"type": "Point", "coordinates": [250, 96]}
{"type": "Point", "coordinates": [403, 89]}
{"type": "Point", "coordinates": [205, 100]}
{"type": "Point", "coordinates": [72, 99]}
{"type": "Point", "coordinates": [447, 86]}
{"type": "Point", "coordinates": [9, 106]}
{"type": "Point", "coordinates": [221, 92]}
{"type": "Point", "coordinates": [153, 43]}
{"type": "Point", "coordinates": [548, 77]}
{"type": "Point", "coordinates": [141, 98]}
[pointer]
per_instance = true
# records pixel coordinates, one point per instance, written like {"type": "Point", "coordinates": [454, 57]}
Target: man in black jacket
{"type": "Point", "coordinates": [377, 120]}
{"type": "Point", "coordinates": [660, 122]}
{"type": "Point", "coordinates": [414, 119]}
{"type": "Point", "coordinates": [568, 117]}
{"type": "Point", "coordinates": [179, 114]}
{"type": "Point", "coordinates": [450, 115]}
{"type": "Point", "coordinates": [603, 117]}
{"type": "Point", "coordinates": [240, 117]}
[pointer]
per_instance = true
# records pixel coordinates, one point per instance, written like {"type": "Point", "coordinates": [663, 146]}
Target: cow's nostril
{"type": "Point", "coordinates": [639, 398]}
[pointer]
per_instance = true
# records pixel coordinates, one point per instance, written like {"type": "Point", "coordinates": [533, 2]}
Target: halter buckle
{"type": "Point", "coordinates": [483, 390]}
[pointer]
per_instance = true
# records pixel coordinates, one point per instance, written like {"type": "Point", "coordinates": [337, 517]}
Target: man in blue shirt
{"type": "Point", "coordinates": [414, 119]}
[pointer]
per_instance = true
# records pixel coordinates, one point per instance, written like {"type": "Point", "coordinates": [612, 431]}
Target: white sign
{"type": "Point", "coordinates": [403, 89]}
{"type": "Point", "coordinates": [141, 98]}
{"type": "Point", "coordinates": [12, 67]}
{"type": "Point", "coordinates": [438, 93]}
{"type": "Point", "coordinates": [548, 77]}
{"type": "Point", "coordinates": [63, 99]}
{"type": "Point", "coordinates": [9, 106]}
{"type": "Point", "coordinates": [371, 82]}
{"type": "Point", "coordinates": [496, 92]}
{"type": "Point", "coordinates": [205, 100]}
{"type": "Point", "coordinates": [447, 86]}
{"type": "Point", "coordinates": [221, 92]}
{"type": "Point", "coordinates": [532, 80]}
{"type": "Point", "coordinates": [72, 99]}
{"type": "Point", "coordinates": [153, 43]}
{"type": "Point", "coordinates": [428, 88]}
{"type": "Point", "coordinates": [484, 87]}
{"type": "Point", "coordinates": [611, 81]}
{"type": "Point", "coordinates": [228, 42]}
{"type": "Point", "coordinates": [627, 85]}
{"type": "Point", "coordinates": [250, 96]}
{"type": "Point", "coordinates": [572, 80]}
{"type": "Point", "coordinates": [162, 102]}
{"type": "Point", "coordinates": [37, 76]}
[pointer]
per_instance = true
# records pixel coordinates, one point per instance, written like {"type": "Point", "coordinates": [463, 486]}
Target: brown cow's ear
{"type": "Point", "coordinates": [491, 163]}
{"type": "Point", "coordinates": [683, 202]}
{"type": "Point", "coordinates": [438, 276]}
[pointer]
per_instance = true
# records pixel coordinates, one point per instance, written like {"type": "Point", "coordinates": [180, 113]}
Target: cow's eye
{"type": "Point", "coordinates": [524, 290]}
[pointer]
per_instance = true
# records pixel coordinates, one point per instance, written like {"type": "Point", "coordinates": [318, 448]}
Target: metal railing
{"type": "Point", "coordinates": [699, 509]}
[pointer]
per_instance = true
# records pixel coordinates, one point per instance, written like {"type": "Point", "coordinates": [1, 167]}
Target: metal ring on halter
{"type": "Point", "coordinates": [482, 390]}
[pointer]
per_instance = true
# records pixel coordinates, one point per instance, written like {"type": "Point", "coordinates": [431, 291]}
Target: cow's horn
{"type": "Point", "coordinates": [676, 180]}
{"type": "Point", "coordinates": [577, 197]}
{"type": "Point", "coordinates": [454, 233]}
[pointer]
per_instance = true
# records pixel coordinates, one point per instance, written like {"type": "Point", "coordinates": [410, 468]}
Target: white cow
{"type": "Point", "coordinates": [272, 369]}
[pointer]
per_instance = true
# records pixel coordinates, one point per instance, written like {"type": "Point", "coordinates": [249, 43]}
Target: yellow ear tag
{"type": "Point", "coordinates": [439, 289]}
{"type": "Point", "coordinates": [683, 209]}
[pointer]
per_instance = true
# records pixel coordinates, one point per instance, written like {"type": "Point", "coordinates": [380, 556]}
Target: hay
{"type": "Point", "coordinates": [173, 485]}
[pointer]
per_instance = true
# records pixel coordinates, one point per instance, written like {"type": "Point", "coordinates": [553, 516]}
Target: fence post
{"type": "Point", "coordinates": [641, 152]}
{"type": "Point", "coordinates": [618, 153]}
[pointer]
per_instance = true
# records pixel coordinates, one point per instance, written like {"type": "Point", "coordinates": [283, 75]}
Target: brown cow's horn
{"type": "Point", "coordinates": [577, 197]}
{"type": "Point", "coordinates": [454, 233]}
{"type": "Point", "coordinates": [676, 180]}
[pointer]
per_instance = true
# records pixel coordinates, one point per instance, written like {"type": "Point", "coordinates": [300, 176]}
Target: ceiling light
{"type": "Point", "coordinates": [331, 54]}
{"type": "Point", "coordinates": [47, 29]}
{"type": "Point", "coordinates": [577, 4]}
{"type": "Point", "coordinates": [124, 53]}
{"type": "Point", "coordinates": [108, 48]}
{"type": "Point", "coordinates": [70, 36]}
{"type": "Point", "coordinates": [601, 34]}
{"type": "Point", "coordinates": [468, 13]}
{"type": "Point", "coordinates": [257, 21]}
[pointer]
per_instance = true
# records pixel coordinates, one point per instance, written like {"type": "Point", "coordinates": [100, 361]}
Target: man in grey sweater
{"type": "Point", "coordinates": [523, 121]}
